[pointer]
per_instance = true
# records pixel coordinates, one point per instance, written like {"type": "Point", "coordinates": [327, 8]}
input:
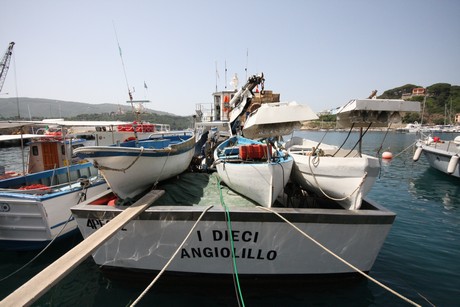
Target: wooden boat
{"type": "Point", "coordinates": [35, 207]}
{"type": "Point", "coordinates": [134, 166]}
{"type": "Point", "coordinates": [263, 245]}
{"type": "Point", "coordinates": [253, 169]}
{"type": "Point", "coordinates": [342, 175]}
{"type": "Point", "coordinates": [441, 155]}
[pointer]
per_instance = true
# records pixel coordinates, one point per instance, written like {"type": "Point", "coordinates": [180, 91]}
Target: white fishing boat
{"type": "Point", "coordinates": [35, 203]}
{"type": "Point", "coordinates": [342, 175]}
{"type": "Point", "coordinates": [345, 176]}
{"type": "Point", "coordinates": [253, 169]}
{"type": "Point", "coordinates": [132, 167]}
{"type": "Point", "coordinates": [441, 155]}
{"type": "Point", "coordinates": [294, 240]}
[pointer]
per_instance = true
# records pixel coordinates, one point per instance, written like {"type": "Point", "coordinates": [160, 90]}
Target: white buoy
{"type": "Point", "coordinates": [387, 155]}
{"type": "Point", "coordinates": [452, 164]}
{"type": "Point", "coordinates": [417, 154]}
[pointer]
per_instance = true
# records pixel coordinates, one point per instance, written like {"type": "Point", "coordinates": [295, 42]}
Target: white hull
{"type": "Point", "coordinates": [31, 221]}
{"type": "Point", "coordinates": [344, 179]}
{"type": "Point", "coordinates": [439, 155]}
{"type": "Point", "coordinates": [262, 182]}
{"type": "Point", "coordinates": [134, 167]}
{"type": "Point", "coordinates": [143, 173]}
{"type": "Point", "coordinates": [261, 177]}
{"type": "Point", "coordinates": [264, 245]}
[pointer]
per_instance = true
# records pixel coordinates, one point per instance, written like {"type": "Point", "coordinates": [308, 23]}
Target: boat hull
{"type": "Point", "coordinates": [345, 179]}
{"type": "Point", "coordinates": [264, 245]}
{"type": "Point", "coordinates": [130, 171]}
{"type": "Point", "coordinates": [261, 182]}
{"type": "Point", "coordinates": [260, 175]}
{"type": "Point", "coordinates": [439, 157]}
{"type": "Point", "coordinates": [31, 221]}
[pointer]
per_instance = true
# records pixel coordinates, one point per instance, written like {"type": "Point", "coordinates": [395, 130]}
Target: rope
{"type": "Point", "coordinates": [51, 242]}
{"type": "Point", "coordinates": [324, 193]}
{"type": "Point", "coordinates": [348, 135]}
{"type": "Point", "coordinates": [171, 259]}
{"type": "Point", "coordinates": [236, 281]}
{"type": "Point", "coordinates": [101, 167]}
{"type": "Point", "coordinates": [340, 259]}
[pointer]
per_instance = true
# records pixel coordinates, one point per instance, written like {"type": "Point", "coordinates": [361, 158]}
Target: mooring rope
{"type": "Point", "coordinates": [172, 258]}
{"type": "Point", "coordinates": [324, 193]}
{"type": "Point", "coordinates": [82, 196]}
{"type": "Point", "coordinates": [102, 167]}
{"type": "Point", "coordinates": [236, 280]}
{"type": "Point", "coordinates": [339, 258]}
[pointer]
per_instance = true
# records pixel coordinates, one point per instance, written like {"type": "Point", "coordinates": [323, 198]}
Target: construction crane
{"type": "Point", "coordinates": [5, 64]}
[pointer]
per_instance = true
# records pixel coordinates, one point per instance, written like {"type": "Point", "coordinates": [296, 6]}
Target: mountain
{"type": "Point", "coordinates": [51, 108]}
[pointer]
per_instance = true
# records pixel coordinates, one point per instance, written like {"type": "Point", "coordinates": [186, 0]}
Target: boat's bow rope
{"type": "Point", "coordinates": [172, 257]}
{"type": "Point", "coordinates": [102, 167]}
{"type": "Point", "coordinates": [339, 258]}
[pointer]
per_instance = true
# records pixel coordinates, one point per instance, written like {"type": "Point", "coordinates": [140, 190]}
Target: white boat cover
{"type": "Point", "coordinates": [278, 118]}
{"type": "Point", "coordinates": [379, 112]}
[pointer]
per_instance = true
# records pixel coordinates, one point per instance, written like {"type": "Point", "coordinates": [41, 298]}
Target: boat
{"type": "Point", "coordinates": [198, 227]}
{"type": "Point", "coordinates": [35, 204]}
{"type": "Point", "coordinates": [241, 160]}
{"type": "Point", "coordinates": [134, 166]}
{"type": "Point", "coordinates": [235, 235]}
{"type": "Point", "coordinates": [254, 169]}
{"type": "Point", "coordinates": [345, 176]}
{"type": "Point", "coordinates": [441, 155]}
{"type": "Point", "coordinates": [410, 128]}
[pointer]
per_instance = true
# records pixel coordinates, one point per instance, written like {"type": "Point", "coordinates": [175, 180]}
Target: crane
{"type": "Point", "coordinates": [5, 64]}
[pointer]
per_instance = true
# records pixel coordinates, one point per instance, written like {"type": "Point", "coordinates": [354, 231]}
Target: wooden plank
{"type": "Point", "coordinates": [51, 275]}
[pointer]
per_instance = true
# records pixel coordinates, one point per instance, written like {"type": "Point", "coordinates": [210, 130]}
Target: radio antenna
{"type": "Point", "coordinates": [123, 63]}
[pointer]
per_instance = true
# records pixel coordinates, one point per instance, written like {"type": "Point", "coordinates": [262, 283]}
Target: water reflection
{"type": "Point", "coordinates": [435, 186]}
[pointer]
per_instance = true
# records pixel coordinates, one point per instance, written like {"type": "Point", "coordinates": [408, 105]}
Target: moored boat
{"type": "Point", "coordinates": [35, 206]}
{"type": "Point", "coordinates": [441, 155]}
{"type": "Point", "coordinates": [253, 169]}
{"type": "Point", "coordinates": [134, 166]}
{"type": "Point", "coordinates": [345, 176]}
{"type": "Point", "coordinates": [236, 230]}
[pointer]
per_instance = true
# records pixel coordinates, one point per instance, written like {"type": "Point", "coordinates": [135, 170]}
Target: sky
{"type": "Point", "coordinates": [318, 53]}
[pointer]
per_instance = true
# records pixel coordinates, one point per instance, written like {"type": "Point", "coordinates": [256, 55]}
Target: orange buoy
{"type": "Point", "coordinates": [387, 155]}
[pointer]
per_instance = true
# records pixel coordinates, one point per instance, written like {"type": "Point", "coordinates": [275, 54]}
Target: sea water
{"type": "Point", "coordinates": [419, 259]}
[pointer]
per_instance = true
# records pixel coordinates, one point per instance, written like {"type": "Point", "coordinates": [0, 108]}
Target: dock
{"type": "Point", "coordinates": [51, 275]}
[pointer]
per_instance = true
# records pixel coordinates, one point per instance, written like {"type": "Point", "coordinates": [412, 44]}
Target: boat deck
{"type": "Point", "coordinates": [190, 192]}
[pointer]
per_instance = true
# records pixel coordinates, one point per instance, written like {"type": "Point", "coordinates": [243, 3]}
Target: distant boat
{"type": "Point", "coordinates": [134, 166]}
{"type": "Point", "coordinates": [35, 207]}
{"type": "Point", "coordinates": [410, 128]}
{"type": "Point", "coordinates": [441, 155]}
{"type": "Point", "coordinates": [252, 169]}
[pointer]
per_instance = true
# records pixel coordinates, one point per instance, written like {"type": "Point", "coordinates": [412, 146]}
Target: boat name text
{"type": "Point", "coordinates": [226, 252]}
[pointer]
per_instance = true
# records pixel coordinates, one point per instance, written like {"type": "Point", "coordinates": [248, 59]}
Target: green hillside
{"type": "Point", "coordinates": [441, 104]}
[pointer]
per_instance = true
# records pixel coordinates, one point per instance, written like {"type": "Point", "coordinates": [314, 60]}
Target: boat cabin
{"type": "Point", "coordinates": [50, 153]}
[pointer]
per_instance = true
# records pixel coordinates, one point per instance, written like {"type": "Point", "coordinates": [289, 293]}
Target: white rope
{"type": "Point", "coordinates": [340, 259]}
{"type": "Point", "coordinates": [102, 167]}
{"type": "Point", "coordinates": [171, 259]}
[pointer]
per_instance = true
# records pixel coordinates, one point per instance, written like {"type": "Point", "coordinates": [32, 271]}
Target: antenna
{"type": "Point", "coordinates": [122, 63]}
{"type": "Point", "coordinates": [246, 68]}
{"type": "Point", "coordinates": [225, 74]}
{"type": "Point", "coordinates": [217, 74]}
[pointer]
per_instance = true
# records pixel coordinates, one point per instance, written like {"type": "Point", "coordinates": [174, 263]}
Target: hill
{"type": "Point", "coordinates": [51, 108]}
{"type": "Point", "coordinates": [442, 102]}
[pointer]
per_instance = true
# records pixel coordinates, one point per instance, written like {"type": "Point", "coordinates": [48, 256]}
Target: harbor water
{"type": "Point", "coordinates": [419, 259]}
